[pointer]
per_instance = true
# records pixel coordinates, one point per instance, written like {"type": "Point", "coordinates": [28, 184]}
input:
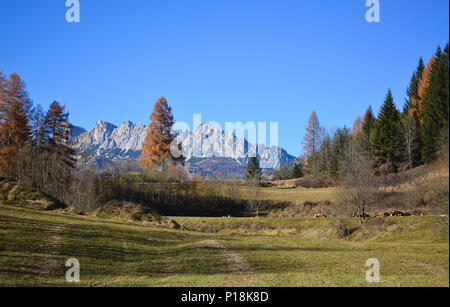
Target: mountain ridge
{"type": "Point", "coordinates": [206, 141]}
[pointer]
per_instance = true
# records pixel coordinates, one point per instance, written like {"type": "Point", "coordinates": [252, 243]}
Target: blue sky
{"type": "Point", "coordinates": [230, 60]}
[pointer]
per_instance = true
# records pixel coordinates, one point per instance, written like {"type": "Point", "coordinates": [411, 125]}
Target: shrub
{"type": "Point", "coordinates": [344, 227]}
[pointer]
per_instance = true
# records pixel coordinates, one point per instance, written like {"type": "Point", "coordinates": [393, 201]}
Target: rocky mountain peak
{"type": "Point", "coordinates": [207, 141]}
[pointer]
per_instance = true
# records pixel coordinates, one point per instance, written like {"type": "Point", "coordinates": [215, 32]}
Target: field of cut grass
{"type": "Point", "coordinates": [34, 246]}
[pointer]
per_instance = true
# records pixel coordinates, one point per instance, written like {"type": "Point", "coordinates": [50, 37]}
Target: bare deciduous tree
{"type": "Point", "coordinates": [359, 188]}
{"type": "Point", "coordinates": [254, 195]}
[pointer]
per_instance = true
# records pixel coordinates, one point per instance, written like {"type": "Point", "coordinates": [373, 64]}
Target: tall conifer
{"type": "Point", "coordinates": [387, 138]}
{"type": "Point", "coordinates": [367, 129]}
{"type": "Point", "coordinates": [436, 106]}
{"type": "Point", "coordinates": [56, 132]}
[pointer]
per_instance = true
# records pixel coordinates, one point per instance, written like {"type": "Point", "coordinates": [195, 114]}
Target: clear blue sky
{"type": "Point", "coordinates": [230, 60]}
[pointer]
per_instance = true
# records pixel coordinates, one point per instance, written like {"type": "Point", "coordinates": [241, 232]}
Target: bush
{"type": "Point", "coordinates": [283, 173]}
{"type": "Point", "coordinates": [344, 227]}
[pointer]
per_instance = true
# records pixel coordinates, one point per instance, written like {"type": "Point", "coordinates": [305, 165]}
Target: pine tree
{"type": "Point", "coordinates": [339, 144]}
{"type": "Point", "coordinates": [297, 171]}
{"type": "Point", "coordinates": [387, 138]}
{"type": "Point", "coordinates": [323, 157]}
{"type": "Point", "coordinates": [253, 170]}
{"type": "Point", "coordinates": [436, 106]}
{"type": "Point", "coordinates": [14, 121]}
{"type": "Point", "coordinates": [412, 103]}
{"type": "Point", "coordinates": [56, 132]}
{"type": "Point", "coordinates": [367, 129]}
{"type": "Point", "coordinates": [412, 138]}
{"type": "Point", "coordinates": [156, 148]}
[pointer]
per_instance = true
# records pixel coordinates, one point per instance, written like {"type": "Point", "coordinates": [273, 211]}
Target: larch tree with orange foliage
{"type": "Point", "coordinates": [424, 81]}
{"type": "Point", "coordinates": [156, 151]}
{"type": "Point", "coordinates": [357, 126]}
{"type": "Point", "coordinates": [14, 120]}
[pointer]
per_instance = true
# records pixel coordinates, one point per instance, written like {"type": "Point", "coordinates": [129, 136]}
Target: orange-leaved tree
{"type": "Point", "coordinates": [357, 126]}
{"type": "Point", "coordinates": [156, 148]}
{"type": "Point", "coordinates": [424, 81]}
{"type": "Point", "coordinates": [14, 120]}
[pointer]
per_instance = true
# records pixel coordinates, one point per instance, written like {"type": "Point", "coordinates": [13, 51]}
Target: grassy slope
{"type": "Point", "coordinates": [34, 246]}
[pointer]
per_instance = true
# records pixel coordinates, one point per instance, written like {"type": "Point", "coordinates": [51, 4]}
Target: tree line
{"type": "Point", "coordinates": [34, 144]}
{"type": "Point", "coordinates": [394, 140]}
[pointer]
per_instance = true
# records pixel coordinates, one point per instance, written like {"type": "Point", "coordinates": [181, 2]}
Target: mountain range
{"type": "Point", "coordinates": [207, 149]}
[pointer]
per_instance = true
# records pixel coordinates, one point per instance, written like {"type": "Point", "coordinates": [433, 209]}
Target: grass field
{"type": "Point", "coordinates": [34, 246]}
{"type": "Point", "coordinates": [299, 195]}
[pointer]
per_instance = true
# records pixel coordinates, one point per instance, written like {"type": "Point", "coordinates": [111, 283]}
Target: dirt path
{"type": "Point", "coordinates": [236, 264]}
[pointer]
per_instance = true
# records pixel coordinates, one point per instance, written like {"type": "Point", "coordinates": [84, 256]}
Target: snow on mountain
{"type": "Point", "coordinates": [205, 142]}
{"type": "Point", "coordinates": [110, 141]}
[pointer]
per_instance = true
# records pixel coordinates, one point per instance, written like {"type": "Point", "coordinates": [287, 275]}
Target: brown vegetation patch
{"type": "Point", "coordinates": [14, 193]}
{"type": "Point", "coordinates": [130, 212]}
{"type": "Point", "coordinates": [306, 182]}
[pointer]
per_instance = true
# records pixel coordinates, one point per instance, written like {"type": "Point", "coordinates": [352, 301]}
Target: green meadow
{"type": "Point", "coordinates": [35, 245]}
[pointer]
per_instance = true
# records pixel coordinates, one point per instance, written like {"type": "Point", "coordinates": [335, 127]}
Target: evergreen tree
{"type": "Point", "coordinates": [412, 138]}
{"type": "Point", "coordinates": [436, 106]}
{"type": "Point", "coordinates": [387, 138]}
{"type": "Point", "coordinates": [367, 129]}
{"type": "Point", "coordinates": [297, 171]}
{"type": "Point", "coordinates": [56, 133]}
{"type": "Point", "coordinates": [412, 102]}
{"type": "Point", "coordinates": [323, 159]}
{"type": "Point", "coordinates": [282, 173]}
{"type": "Point", "coordinates": [253, 170]}
{"type": "Point", "coordinates": [340, 142]}
{"type": "Point", "coordinates": [14, 121]}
